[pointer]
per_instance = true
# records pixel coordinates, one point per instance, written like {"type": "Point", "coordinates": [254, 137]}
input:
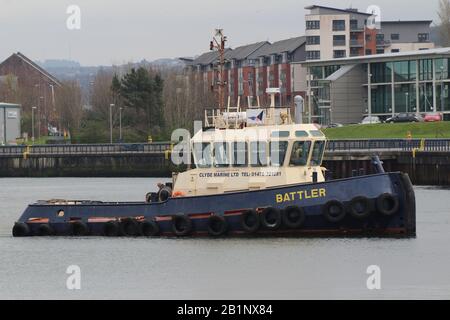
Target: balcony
{"type": "Point", "coordinates": [356, 43]}
{"type": "Point", "coordinates": [383, 43]}
{"type": "Point", "coordinates": [339, 43]}
{"type": "Point", "coordinates": [356, 28]}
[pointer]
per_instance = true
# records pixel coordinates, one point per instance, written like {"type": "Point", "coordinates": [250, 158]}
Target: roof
{"type": "Point", "coordinates": [208, 57]}
{"type": "Point", "coordinates": [407, 21]}
{"type": "Point", "coordinates": [341, 72]}
{"type": "Point", "coordinates": [243, 52]}
{"type": "Point", "coordinates": [10, 105]}
{"type": "Point", "coordinates": [35, 66]}
{"type": "Point", "coordinates": [288, 45]}
{"type": "Point", "coordinates": [381, 57]}
{"type": "Point", "coordinates": [354, 11]}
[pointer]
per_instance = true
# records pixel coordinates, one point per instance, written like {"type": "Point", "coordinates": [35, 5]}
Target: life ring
{"type": "Point", "coordinates": [250, 221]}
{"type": "Point", "coordinates": [334, 211]}
{"type": "Point", "coordinates": [149, 228]}
{"type": "Point", "coordinates": [20, 229]}
{"type": "Point", "coordinates": [178, 194]}
{"type": "Point", "coordinates": [181, 225]}
{"type": "Point", "coordinates": [217, 226]}
{"type": "Point", "coordinates": [45, 230]}
{"type": "Point", "coordinates": [164, 194]}
{"type": "Point", "coordinates": [360, 208]}
{"type": "Point", "coordinates": [129, 227]}
{"type": "Point", "coordinates": [387, 204]}
{"type": "Point", "coordinates": [111, 229]}
{"type": "Point", "coordinates": [78, 229]}
{"type": "Point", "coordinates": [293, 217]}
{"type": "Point", "coordinates": [271, 218]}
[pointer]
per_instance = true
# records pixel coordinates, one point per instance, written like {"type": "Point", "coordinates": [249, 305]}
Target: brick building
{"type": "Point", "coordinates": [33, 87]}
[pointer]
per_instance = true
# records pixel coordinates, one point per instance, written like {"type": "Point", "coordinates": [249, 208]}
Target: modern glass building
{"type": "Point", "coordinates": [346, 90]}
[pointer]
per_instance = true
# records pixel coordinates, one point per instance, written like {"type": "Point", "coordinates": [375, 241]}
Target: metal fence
{"type": "Point", "coordinates": [427, 145]}
{"type": "Point", "coordinates": [86, 149]}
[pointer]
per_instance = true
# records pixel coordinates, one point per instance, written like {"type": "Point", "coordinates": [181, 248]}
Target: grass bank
{"type": "Point", "coordinates": [391, 131]}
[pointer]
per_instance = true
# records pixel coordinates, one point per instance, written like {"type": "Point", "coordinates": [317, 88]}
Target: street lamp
{"type": "Point", "coordinates": [442, 88]}
{"type": "Point", "coordinates": [110, 122]}
{"type": "Point", "coordinates": [407, 101]}
{"type": "Point", "coordinates": [120, 124]}
{"type": "Point", "coordinates": [32, 123]}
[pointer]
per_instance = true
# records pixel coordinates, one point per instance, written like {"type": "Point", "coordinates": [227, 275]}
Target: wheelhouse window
{"type": "Point", "coordinates": [300, 153]}
{"type": "Point", "coordinates": [240, 154]}
{"type": "Point", "coordinates": [280, 134]}
{"type": "Point", "coordinates": [278, 150]}
{"type": "Point", "coordinates": [301, 134]}
{"type": "Point", "coordinates": [317, 133]}
{"type": "Point", "coordinates": [317, 153]}
{"type": "Point", "coordinates": [202, 153]}
{"type": "Point", "coordinates": [258, 154]}
{"type": "Point", "coordinates": [221, 154]}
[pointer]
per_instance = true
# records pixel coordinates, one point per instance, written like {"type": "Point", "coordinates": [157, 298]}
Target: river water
{"type": "Point", "coordinates": [35, 268]}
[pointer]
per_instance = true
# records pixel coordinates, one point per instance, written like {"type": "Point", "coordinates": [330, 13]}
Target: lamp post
{"type": "Point", "coordinates": [442, 88]}
{"type": "Point", "coordinates": [32, 123]}
{"type": "Point", "coordinates": [407, 101]}
{"type": "Point", "coordinates": [120, 124]}
{"type": "Point", "coordinates": [110, 122]}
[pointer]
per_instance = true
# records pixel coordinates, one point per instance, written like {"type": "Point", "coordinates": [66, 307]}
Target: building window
{"type": "Point", "coordinates": [380, 51]}
{"type": "Point", "coordinates": [313, 40]}
{"type": "Point", "coordinates": [313, 55]}
{"type": "Point", "coordinates": [381, 72]}
{"type": "Point", "coordinates": [313, 25]}
{"type": "Point", "coordinates": [395, 50]}
{"type": "Point", "coordinates": [339, 54]}
{"type": "Point", "coordinates": [381, 99]}
{"type": "Point", "coordinates": [339, 40]}
{"type": "Point", "coordinates": [353, 24]}
{"type": "Point", "coordinates": [338, 25]}
{"type": "Point", "coordinates": [423, 37]}
{"type": "Point", "coordinates": [368, 37]}
{"type": "Point", "coordinates": [405, 71]}
{"type": "Point", "coordinates": [368, 52]}
{"type": "Point", "coordinates": [380, 38]}
{"type": "Point", "coordinates": [395, 36]}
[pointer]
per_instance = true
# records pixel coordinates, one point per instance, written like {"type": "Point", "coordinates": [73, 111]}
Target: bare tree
{"type": "Point", "coordinates": [444, 22]}
{"type": "Point", "coordinates": [68, 106]}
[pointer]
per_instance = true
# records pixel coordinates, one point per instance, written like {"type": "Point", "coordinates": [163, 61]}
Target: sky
{"type": "Point", "coordinates": [121, 31]}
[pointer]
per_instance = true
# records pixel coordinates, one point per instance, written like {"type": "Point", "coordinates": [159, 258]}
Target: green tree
{"type": "Point", "coordinates": [444, 22]}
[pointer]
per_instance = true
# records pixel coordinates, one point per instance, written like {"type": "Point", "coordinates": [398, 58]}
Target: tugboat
{"type": "Point", "coordinates": [257, 173]}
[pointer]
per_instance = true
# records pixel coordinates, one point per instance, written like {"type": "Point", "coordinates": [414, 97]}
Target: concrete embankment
{"type": "Point", "coordinates": [427, 162]}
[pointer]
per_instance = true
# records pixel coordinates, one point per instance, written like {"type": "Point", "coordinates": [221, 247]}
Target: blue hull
{"type": "Point", "coordinates": [314, 200]}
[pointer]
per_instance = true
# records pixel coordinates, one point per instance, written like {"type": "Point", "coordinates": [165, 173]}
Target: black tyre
{"type": "Point", "coordinates": [164, 194]}
{"type": "Point", "coordinates": [79, 229]}
{"type": "Point", "coordinates": [20, 229]}
{"type": "Point", "coordinates": [45, 230]}
{"type": "Point", "coordinates": [181, 225]}
{"type": "Point", "coordinates": [271, 218]}
{"type": "Point", "coordinates": [334, 211]}
{"type": "Point", "coordinates": [149, 228]}
{"type": "Point", "coordinates": [293, 217]}
{"type": "Point", "coordinates": [360, 208]}
{"type": "Point", "coordinates": [111, 229]}
{"type": "Point", "coordinates": [129, 227]}
{"type": "Point", "coordinates": [217, 226]}
{"type": "Point", "coordinates": [250, 221]}
{"type": "Point", "coordinates": [148, 197]}
{"type": "Point", "coordinates": [387, 204]}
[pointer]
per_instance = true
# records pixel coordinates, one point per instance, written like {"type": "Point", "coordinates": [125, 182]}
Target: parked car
{"type": "Point", "coordinates": [433, 117]}
{"type": "Point", "coordinates": [405, 117]}
{"type": "Point", "coordinates": [371, 120]}
{"type": "Point", "coordinates": [335, 125]}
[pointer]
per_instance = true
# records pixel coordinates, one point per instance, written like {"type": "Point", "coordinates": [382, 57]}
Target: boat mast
{"type": "Point", "coordinates": [218, 43]}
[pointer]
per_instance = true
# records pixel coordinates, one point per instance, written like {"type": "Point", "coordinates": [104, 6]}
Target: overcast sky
{"type": "Point", "coordinates": [118, 31]}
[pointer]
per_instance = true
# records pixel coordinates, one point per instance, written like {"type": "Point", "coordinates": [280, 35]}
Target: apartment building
{"type": "Point", "coordinates": [337, 33]}
{"type": "Point", "coordinates": [251, 69]}
{"type": "Point", "coordinates": [398, 36]}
